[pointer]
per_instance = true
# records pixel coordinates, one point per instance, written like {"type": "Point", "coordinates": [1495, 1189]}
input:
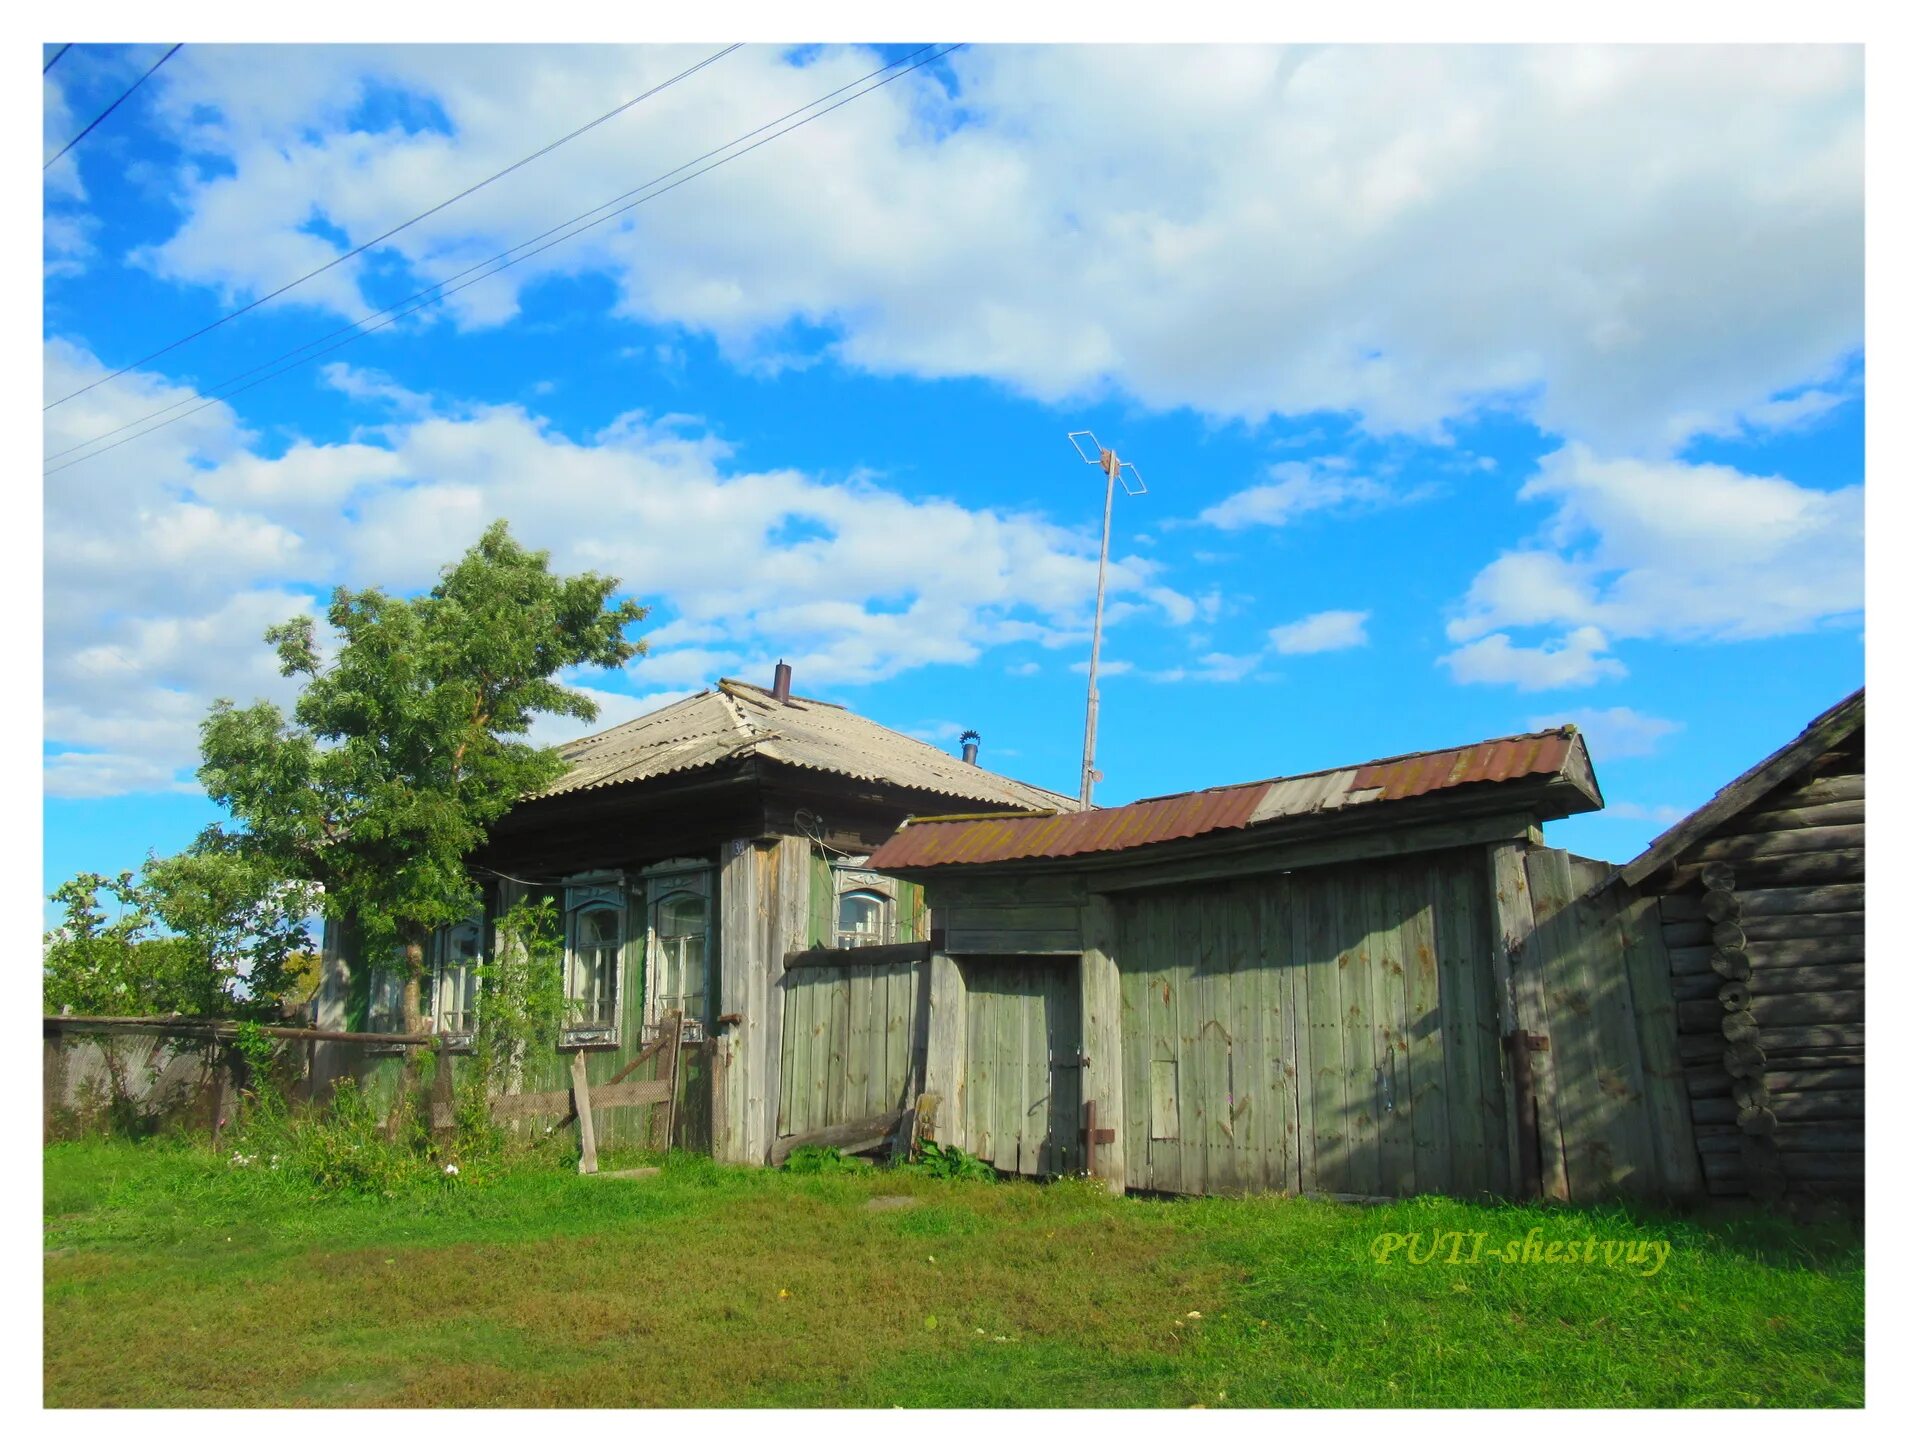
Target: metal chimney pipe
{"type": "Point", "coordinates": [970, 747]}
{"type": "Point", "coordinates": [784, 677]}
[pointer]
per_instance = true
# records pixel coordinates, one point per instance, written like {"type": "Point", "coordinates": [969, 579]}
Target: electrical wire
{"type": "Point", "coordinates": [56, 57]}
{"type": "Point", "coordinates": [350, 330]}
{"type": "Point", "coordinates": [392, 232]}
{"type": "Point", "coordinates": [110, 109]}
{"type": "Point", "coordinates": [399, 311]}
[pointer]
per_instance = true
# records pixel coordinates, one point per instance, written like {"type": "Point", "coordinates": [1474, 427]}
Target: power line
{"type": "Point", "coordinates": [366, 325]}
{"type": "Point", "coordinates": [56, 57]}
{"type": "Point", "coordinates": [387, 235]}
{"type": "Point", "coordinates": [110, 109]}
{"type": "Point", "coordinates": [349, 330]}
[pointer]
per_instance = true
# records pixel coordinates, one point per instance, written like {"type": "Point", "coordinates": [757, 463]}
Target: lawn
{"type": "Point", "coordinates": [173, 1279]}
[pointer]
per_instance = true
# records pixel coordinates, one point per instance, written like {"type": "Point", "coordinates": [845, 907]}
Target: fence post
{"type": "Point", "coordinates": [586, 1122]}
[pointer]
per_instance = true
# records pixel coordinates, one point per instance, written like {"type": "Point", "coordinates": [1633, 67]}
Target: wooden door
{"type": "Point", "coordinates": [1023, 1063]}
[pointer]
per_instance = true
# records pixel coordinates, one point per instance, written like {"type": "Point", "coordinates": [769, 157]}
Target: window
{"type": "Point", "coordinates": [450, 990]}
{"type": "Point", "coordinates": [681, 975]}
{"type": "Point", "coordinates": [385, 1011]}
{"type": "Point", "coordinates": [593, 963]}
{"type": "Point", "coordinates": [866, 907]}
{"type": "Point", "coordinates": [863, 919]}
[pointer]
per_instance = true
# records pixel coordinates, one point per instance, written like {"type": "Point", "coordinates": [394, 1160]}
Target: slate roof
{"type": "Point", "coordinates": [1554, 763]}
{"type": "Point", "coordinates": [735, 720]}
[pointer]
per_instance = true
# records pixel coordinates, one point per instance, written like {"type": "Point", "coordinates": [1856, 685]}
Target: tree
{"type": "Point", "coordinates": [405, 744]}
{"type": "Point", "coordinates": [207, 932]}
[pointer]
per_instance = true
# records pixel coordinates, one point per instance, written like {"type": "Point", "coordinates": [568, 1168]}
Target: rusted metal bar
{"type": "Point", "coordinates": [1094, 1135]}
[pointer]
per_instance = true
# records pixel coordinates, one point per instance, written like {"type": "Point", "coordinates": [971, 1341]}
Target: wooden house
{"type": "Point", "coordinates": [689, 852]}
{"type": "Point", "coordinates": [1761, 901]}
{"type": "Point", "coordinates": [1370, 981]}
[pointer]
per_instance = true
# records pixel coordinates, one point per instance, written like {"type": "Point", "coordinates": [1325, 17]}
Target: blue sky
{"type": "Point", "coordinates": [1476, 389]}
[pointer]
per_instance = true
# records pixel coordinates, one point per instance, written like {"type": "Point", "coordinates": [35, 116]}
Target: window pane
{"type": "Point", "coordinates": [593, 961]}
{"type": "Point", "coordinates": [681, 914]}
{"type": "Point", "coordinates": [862, 919]}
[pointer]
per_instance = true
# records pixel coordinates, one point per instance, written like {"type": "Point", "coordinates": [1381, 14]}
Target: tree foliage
{"type": "Point", "coordinates": [406, 741]}
{"type": "Point", "coordinates": [205, 932]}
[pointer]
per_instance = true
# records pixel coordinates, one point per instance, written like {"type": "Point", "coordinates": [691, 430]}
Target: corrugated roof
{"type": "Point", "coordinates": [736, 720]}
{"type": "Point", "coordinates": [974, 842]}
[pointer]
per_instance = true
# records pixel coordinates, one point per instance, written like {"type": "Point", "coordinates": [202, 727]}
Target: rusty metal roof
{"type": "Point", "coordinates": [1539, 755]}
{"type": "Point", "coordinates": [735, 720]}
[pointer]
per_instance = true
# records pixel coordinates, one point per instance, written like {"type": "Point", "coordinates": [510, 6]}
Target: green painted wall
{"type": "Point", "coordinates": [1330, 1030]}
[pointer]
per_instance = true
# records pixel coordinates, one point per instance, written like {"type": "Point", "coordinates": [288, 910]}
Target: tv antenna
{"type": "Point", "coordinates": [1118, 471]}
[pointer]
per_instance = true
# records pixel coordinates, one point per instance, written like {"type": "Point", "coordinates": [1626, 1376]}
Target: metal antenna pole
{"type": "Point", "coordinates": [1117, 472]}
{"type": "Point", "coordinates": [1111, 463]}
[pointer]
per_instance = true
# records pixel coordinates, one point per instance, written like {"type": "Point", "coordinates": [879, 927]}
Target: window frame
{"type": "Point", "coordinates": [581, 896]}
{"type": "Point", "coordinates": [678, 877]}
{"type": "Point", "coordinates": [461, 1039]}
{"type": "Point", "coordinates": [851, 878]}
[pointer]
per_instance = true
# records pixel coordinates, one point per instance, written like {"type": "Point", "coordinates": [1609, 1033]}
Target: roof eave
{"type": "Point", "coordinates": [1819, 737]}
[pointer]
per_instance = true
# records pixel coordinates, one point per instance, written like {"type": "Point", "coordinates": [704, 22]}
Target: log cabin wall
{"type": "Point", "coordinates": [1765, 930]}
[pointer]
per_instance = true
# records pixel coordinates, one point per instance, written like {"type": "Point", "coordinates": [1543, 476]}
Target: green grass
{"type": "Point", "coordinates": [173, 1280]}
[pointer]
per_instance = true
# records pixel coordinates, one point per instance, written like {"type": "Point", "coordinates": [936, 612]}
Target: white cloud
{"type": "Point", "coordinates": [1218, 666]}
{"type": "Point", "coordinates": [1024, 668]}
{"type": "Point", "coordinates": [1577, 659]}
{"type": "Point", "coordinates": [166, 561]}
{"type": "Point", "coordinates": [1617, 731]}
{"type": "Point", "coordinates": [1325, 630]}
{"type": "Point", "coordinates": [104, 774]}
{"type": "Point", "coordinates": [1674, 550]}
{"type": "Point", "coordinates": [1629, 244]}
{"type": "Point", "coordinates": [1298, 488]}
{"type": "Point", "coordinates": [1637, 812]}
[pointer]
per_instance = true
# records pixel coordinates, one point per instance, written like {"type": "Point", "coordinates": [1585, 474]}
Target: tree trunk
{"type": "Point", "coordinates": [413, 975]}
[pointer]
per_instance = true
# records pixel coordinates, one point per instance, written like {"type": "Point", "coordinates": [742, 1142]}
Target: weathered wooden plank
{"type": "Point", "coordinates": [1781, 1009]}
{"type": "Point", "coordinates": [1423, 1029]}
{"type": "Point", "coordinates": [946, 1071]}
{"type": "Point", "coordinates": [877, 953]}
{"type": "Point", "coordinates": [1560, 948]}
{"type": "Point", "coordinates": [1806, 1081]}
{"type": "Point", "coordinates": [1259, 1043]}
{"type": "Point", "coordinates": [1800, 868]}
{"type": "Point", "coordinates": [1851, 787]}
{"type": "Point", "coordinates": [1512, 928]}
{"type": "Point", "coordinates": [1805, 952]}
{"type": "Point", "coordinates": [1331, 1093]}
{"type": "Point", "coordinates": [1013, 940]}
{"type": "Point", "coordinates": [1768, 902]}
{"type": "Point", "coordinates": [1756, 929]}
{"type": "Point", "coordinates": [1665, 1089]}
{"type": "Point", "coordinates": [1783, 819]}
{"type": "Point", "coordinates": [1103, 1080]}
{"type": "Point", "coordinates": [585, 1121]}
{"type": "Point", "coordinates": [1392, 1042]}
{"type": "Point", "coordinates": [1752, 845]}
{"type": "Point", "coordinates": [1782, 1038]}
{"type": "Point", "coordinates": [852, 1137]}
{"type": "Point", "coordinates": [1470, 1052]}
{"type": "Point", "coordinates": [1816, 1103]}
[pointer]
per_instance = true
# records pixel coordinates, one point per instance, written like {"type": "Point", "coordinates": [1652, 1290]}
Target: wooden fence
{"type": "Point", "coordinates": [153, 1073]}
{"type": "Point", "coordinates": [854, 1043]}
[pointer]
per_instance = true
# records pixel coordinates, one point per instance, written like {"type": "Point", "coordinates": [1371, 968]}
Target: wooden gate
{"type": "Point", "coordinates": [854, 1041]}
{"type": "Point", "coordinates": [1024, 1055]}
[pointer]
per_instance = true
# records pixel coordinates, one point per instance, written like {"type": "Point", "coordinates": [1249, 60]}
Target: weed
{"type": "Point", "coordinates": [947, 1162]}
